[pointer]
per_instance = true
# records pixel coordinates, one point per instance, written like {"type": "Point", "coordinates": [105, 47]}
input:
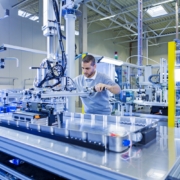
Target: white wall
{"type": "Point", "coordinates": [98, 45]}
{"type": "Point", "coordinates": [156, 52]}
{"type": "Point", "coordinates": [23, 32]}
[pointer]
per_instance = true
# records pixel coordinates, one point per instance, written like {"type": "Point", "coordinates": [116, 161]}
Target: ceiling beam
{"type": "Point", "coordinates": [145, 20]}
{"type": "Point", "coordinates": [19, 3]}
{"type": "Point", "coordinates": [152, 37]}
{"type": "Point", "coordinates": [161, 29]}
{"type": "Point", "coordinates": [104, 15]}
{"type": "Point", "coordinates": [117, 6]}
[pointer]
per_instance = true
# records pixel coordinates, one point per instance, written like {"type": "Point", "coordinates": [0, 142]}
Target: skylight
{"type": "Point", "coordinates": [156, 11]}
{"type": "Point", "coordinates": [34, 18]}
{"type": "Point", "coordinates": [25, 14]}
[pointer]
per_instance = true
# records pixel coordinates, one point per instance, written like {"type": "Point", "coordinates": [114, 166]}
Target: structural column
{"type": "Point", "coordinates": [70, 51]}
{"type": "Point", "coordinates": [171, 84]}
{"type": "Point", "coordinates": [145, 46]}
{"type": "Point", "coordinates": [140, 31]}
{"type": "Point", "coordinates": [83, 36]}
{"type": "Point", "coordinates": [82, 32]}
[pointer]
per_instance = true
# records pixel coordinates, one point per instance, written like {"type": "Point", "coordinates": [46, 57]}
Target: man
{"type": "Point", "coordinates": [98, 102]}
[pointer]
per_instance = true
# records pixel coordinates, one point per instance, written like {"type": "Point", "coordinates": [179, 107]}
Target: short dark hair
{"type": "Point", "coordinates": [89, 58]}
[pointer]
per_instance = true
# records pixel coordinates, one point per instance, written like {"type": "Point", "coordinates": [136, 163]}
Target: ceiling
{"type": "Point", "coordinates": [122, 28]}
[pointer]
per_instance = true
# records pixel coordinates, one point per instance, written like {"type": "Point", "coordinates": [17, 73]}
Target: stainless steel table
{"type": "Point", "coordinates": [149, 162]}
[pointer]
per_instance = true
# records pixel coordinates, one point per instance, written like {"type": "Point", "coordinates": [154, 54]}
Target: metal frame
{"type": "Point", "coordinates": [129, 26]}
{"type": "Point", "coordinates": [60, 165]}
{"type": "Point", "coordinates": [125, 17]}
{"type": "Point", "coordinates": [140, 31]}
{"type": "Point", "coordinates": [8, 46]}
{"type": "Point", "coordinates": [64, 94]}
{"type": "Point", "coordinates": [171, 83]}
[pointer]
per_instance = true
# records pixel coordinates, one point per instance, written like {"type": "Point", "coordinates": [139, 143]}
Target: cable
{"type": "Point", "coordinates": [72, 81]}
{"type": "Point", "coordinates": [70, 88]}
{"type": "Point", "coordinates": [55, 72]}
{"type": "Point", "coordinates": [141, 56]}
{"type": "Point", "coordinates": [150, 77]}
{"type": "Point", "coordinates": [64, 59]}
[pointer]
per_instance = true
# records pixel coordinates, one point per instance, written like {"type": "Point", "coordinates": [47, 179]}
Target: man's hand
{"type": "Point", "coordinates": [113, 89]}
{"type": "Point", "coordinates": [100, 87]}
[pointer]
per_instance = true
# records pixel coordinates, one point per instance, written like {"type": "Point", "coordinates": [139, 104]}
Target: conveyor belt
{"type": "Point", "coordinates": [53, 157]}
{"type": "Point", "coordinates": [75, 162]}
{"type": "Point", "coordinates": [86, 144]}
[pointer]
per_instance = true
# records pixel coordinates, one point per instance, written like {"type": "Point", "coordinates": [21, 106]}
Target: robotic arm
{"type": "Point", "coordinates": [71, 4]}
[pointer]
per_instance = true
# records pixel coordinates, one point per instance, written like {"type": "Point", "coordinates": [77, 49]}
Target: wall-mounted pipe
{"type": "Point", "coordinates": [13, 58]}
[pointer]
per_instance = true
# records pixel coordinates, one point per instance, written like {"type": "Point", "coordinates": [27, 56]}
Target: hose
{"type": "Point", "coordinates": [60, 36]}
{"type": "Point", "coordinates": [150, 77]}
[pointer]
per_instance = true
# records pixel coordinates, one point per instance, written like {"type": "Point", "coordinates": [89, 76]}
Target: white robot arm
{"type": "Point", "coordinates": [72, 4]}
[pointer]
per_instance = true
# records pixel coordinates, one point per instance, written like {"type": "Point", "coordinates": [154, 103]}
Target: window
{"type": "Point", "coordinates": [28, 15]}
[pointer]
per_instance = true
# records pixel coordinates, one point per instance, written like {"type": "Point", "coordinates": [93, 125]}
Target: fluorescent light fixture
{"type": "Point", "coordinates": [134, 34]}
{"type": "Point", "coordinates": [157, 44]}
{"type": "Point", "coordinates": [34, 18]}
{"type": "Point", "coordinates": [175, 26]}
{"type": "Point", "coordinates": [111, 61]}
{"type": "Point", "coordinates": [156, 11]}
{"type": "Point", "coordinates": [76, 32]}
{"type": "Point", "coordinates": [108, 17]}
{"type": "Point", "coordinates": [163, 2]}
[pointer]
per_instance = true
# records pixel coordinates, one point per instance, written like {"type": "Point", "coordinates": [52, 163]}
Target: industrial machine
{"type": "Point", "coordinates": [38, 127]}
{"type": "Point", "coordinates": [150, 88]}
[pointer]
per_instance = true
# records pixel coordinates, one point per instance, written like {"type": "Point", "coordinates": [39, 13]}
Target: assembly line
{"type": "Point", "coordinates": [114, 137]}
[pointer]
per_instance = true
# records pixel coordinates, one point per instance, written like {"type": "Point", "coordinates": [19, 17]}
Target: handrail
{"type": "Point", "coordinates": [9, 78]}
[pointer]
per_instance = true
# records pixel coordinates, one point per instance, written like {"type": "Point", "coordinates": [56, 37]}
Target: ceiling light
{"type": "Point", "coordinates": [134, 34]}
{"type": "Point", "coordinates": [156, 11]}
{"type": "Point", "coordinates": [77, 33]}
{"type": "Point", "coordinates": [175, 26]}
{"type": "Point", "coordinates": [154, 44]}
{"type": "Point", "coordinates": [111, 61]}
{"type": "Point", "coordinates": [62, 27]}
{"type": "Point", "coordinates": [108, 17]}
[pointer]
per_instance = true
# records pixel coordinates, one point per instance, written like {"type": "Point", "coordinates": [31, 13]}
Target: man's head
{"type": "Point", "coordinates": [89, 66]}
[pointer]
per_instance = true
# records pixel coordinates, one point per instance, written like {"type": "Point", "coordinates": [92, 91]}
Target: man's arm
{"type": "Point", "coordinates": [115, 89]}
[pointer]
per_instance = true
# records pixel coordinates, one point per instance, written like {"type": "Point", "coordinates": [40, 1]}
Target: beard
{"type": "Point", "coordinates": [88, 75]}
